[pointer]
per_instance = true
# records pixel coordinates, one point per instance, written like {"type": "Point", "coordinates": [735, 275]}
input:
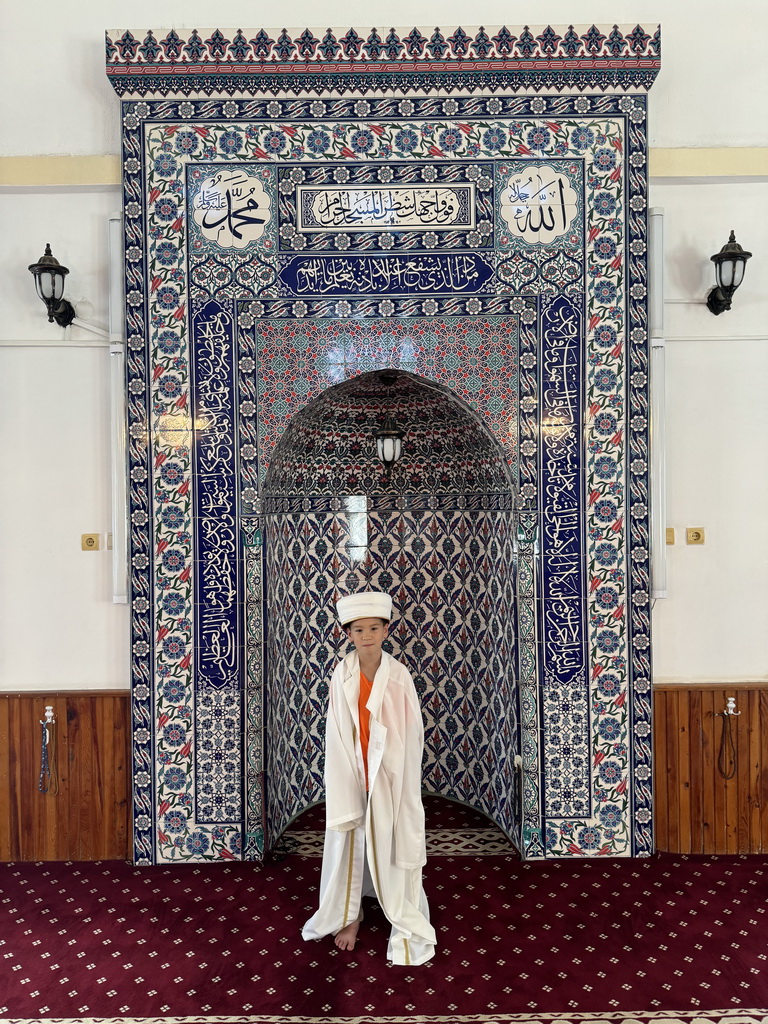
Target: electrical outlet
{"type": "Point", "coordinates": [90, 541]}
{"type": "Point", "coordinates": [694, 535]}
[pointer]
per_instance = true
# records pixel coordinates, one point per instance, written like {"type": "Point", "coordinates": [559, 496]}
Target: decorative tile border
{"type": "Point", "coordinates": [341, 60]}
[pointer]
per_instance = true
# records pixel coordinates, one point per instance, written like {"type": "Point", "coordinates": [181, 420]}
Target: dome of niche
{"type": "Point", "coordinates": [329, 447]}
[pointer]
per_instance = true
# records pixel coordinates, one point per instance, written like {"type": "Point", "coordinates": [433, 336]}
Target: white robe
{"type": "Point", "coordinates": [381, 838]}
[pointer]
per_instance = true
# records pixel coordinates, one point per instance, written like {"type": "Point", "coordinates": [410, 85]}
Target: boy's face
{"type": "Point", "coordinates": [368, 635]}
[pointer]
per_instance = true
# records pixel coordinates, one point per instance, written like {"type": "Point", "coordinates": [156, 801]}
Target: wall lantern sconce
{"type": "Point", "coordinates": [49, 281]}
{"type": "Point", "coordinates": [389, 438]}
{"type": "Point", "coordinates": [729, 273]}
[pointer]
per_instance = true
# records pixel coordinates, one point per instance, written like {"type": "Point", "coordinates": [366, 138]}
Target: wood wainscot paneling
{"type": "Point", "coordinates": [711, 769]}
{"type": "Point", "coordinates": [84, 813]}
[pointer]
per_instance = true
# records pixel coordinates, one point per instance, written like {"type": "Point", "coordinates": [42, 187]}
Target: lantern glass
{"type": "Point", "coordinates": [386, 449]}
{"type": "Point", "coordinates": [50, 285]}
{"type": "Point", "coordinates": [725, 273]}
{"type": "Point", "coordinates": [389, 448]}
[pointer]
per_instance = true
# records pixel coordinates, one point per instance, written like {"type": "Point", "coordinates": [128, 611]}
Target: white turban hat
{"type": "Point", "coordinates": [368, 604]}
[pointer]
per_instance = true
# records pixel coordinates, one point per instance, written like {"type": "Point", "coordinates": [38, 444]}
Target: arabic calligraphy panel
{"type": "Point", "coordinates": [565, 694]}
{"type": "Point", "coordinates": [388, 207]}
{"type": "Point", "coordinates": [421, 273]}
{"type": "Point", "coordinates": [216, 536]}
{"type": "Point", "coordinates": [402, 207]}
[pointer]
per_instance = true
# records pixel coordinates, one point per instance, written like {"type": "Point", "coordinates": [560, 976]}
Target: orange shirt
{"type": "Point", "coordinates": [364, 716]}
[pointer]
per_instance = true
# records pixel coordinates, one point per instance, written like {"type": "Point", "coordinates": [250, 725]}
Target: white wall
{"type": "Point", "coordinates": [58, 627]}
{"type": "Point", "coordinates": [712, 626]}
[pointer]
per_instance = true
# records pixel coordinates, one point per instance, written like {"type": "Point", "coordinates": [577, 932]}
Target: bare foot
{"type": "Point", "coordinates": [346, 938]}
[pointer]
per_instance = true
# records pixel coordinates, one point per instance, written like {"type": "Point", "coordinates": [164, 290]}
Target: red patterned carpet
{"type": "Point", "coordinates": [110, 940]}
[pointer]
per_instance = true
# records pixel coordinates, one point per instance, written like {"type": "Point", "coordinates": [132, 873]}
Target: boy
{"type": "Point", "coordinates": [375, 839]}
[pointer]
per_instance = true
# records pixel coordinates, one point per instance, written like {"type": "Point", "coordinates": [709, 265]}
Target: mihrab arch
{"type": "Point", "coordinates": [438, 533]}
{"type": "Point", "coordinates": [305, 207]}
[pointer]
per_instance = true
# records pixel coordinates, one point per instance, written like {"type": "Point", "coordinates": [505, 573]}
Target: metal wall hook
{"type": "Point", "coordinates": [730, 707]}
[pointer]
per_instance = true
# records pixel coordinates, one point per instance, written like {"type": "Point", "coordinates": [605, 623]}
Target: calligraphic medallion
{"type": "Point", "coordinates": [232, 208]}
{"type": "Point", "coordinates": [538, 204]}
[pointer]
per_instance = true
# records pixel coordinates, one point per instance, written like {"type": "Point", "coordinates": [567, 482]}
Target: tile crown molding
{"type": "Point", "coordinates": [579, 58]}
